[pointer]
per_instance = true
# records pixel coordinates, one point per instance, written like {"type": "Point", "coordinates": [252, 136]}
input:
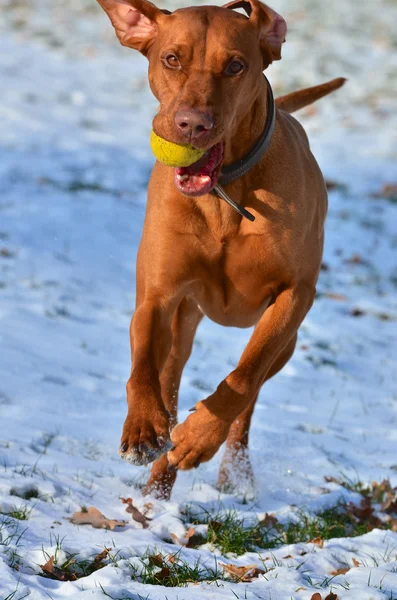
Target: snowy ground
{"type": "Point", "coordinates": [75, 115]}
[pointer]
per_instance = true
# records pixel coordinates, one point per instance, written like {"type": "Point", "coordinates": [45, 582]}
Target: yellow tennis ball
{"type": "Point", "coordinates": [174, 155]}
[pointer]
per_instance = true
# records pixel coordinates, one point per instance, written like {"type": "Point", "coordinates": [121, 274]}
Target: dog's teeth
{"type": "Point", "coordinates": [182, 178]}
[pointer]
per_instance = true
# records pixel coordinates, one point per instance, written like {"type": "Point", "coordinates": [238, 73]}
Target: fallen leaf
{"type": "Point", "coordinates": [355, 259]}
{"type": "Point", "coordinates": [92, 516]}
{"type": "Point", "coordinates": [357, 312]}
{"type": "Point", "coordinates": [341, 571]}
{"type": "Point", "coordinates": [215, 525]}
{"type": "Point", "coordinates": [364, 514]}
{"type": "Point", "coordinates": [136, 514]}
{"type": "Point", "coordinates": [389, 505]}
{"type": "Point", "coordinates": [337, 297]}
{"type": "Point", "coordinates": [331, 479]}
{"type": "Point", "coordinates": [6, 253]}
{"type": "Point", "coordinates": [193, 539]}
{"type": "Point", "coordinates": [156, 560]}
{"type": "Point", "coordinates": [269, 521]}
{"type": "Point", "coordinates": [379, 490]}
{"type": "Point", "coordinates": [316, 596]}
{"type": "Point", "coordinates": [245, 574]}
{"type": "Point", "coordinates": [164, 574]}
{"type": "Point", "coordinates": [288, 556]}
{"type": "Point", "coordinates": [331, 596]}
{"type": "Point", "coordinates": [100, 557]}
{"type": "Point", "coordinates": [300, 589]}
{"type": "Point", "coordinates": [147, 506]}
{"type": "Point", "coordinates": [393, 524]}
{"type": "Point", "coordinates": [355, 562]}
{"type": "Point", "coordinates": [334, 185]}
{"type": "Point", "coordinates": [318, 541]}
{"type": "Point", "coordinates": [389, 190]}
{"type": "Point", "coordinates": [52, 572]}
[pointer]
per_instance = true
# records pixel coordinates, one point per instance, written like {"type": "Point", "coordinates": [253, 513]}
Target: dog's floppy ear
{"type": "Point", "coordinates": [135, 21]}
{"type": "Point", "coordinates": [272, 27]}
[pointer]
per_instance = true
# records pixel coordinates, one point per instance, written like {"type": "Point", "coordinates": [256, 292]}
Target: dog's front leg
{"type": "Point", "coordinates": [146, 432]}
{"type": "Point", "coordinates": [200, 436]}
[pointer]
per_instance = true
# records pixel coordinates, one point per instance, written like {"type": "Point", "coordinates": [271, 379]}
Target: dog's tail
{"type": "Point", "coordinates": [296, 100]}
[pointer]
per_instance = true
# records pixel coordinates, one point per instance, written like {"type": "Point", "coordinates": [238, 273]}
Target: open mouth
{"type": "Point", "coordinates": [201, 177]}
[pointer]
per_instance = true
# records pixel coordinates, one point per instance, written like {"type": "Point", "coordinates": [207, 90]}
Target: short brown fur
{"type": "Point", "coordinates": [197, 256]}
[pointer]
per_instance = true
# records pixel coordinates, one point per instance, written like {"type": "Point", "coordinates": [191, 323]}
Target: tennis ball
{"type": "Point", "coordinates": [174, 155]}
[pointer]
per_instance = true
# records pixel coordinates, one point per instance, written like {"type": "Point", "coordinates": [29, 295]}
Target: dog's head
{"type": "Point", "coordinates": [205, 66]}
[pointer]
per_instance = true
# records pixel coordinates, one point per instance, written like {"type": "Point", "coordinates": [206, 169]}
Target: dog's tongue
{"type": "Point", "coordinates": [200, 177]}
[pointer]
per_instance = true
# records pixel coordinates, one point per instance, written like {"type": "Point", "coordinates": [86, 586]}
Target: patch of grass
{"type": "Point", "coordinates": [353, 485]}
{"type": "Point", "coordinates": [228, 532]}
{"type": "Point", "coordinates": [21, 513]}
{"type": "Point", "coordinates": [11, 535]}
{"type": "Point", "coordinates": [28, 494]}
{"type": "Point", "coordinates": [171, 571]}
{"type": "Point", "coordinates": [72, 567]}
{"type": "Point", "coordinates": [14, 593]}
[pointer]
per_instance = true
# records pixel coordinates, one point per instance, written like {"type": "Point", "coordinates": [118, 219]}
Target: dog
{"type": "Point", "coordinates": [253, 260]}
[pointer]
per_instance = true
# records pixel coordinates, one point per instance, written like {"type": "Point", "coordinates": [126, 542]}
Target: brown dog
{"type": "Point", "coordinates": [198, 256]}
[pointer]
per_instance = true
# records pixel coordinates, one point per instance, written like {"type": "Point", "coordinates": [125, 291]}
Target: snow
{"type": "Point", "coordinates": [75, 114]}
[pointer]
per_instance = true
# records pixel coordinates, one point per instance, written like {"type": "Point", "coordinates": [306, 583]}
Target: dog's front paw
{"type": "Point", "coordinates": [197, 439]}
{"type": "Point", "coordinates": [144, 440]}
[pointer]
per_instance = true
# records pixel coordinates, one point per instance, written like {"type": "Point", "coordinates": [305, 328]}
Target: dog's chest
{"type": "Point", "coordinates": [236, 280]}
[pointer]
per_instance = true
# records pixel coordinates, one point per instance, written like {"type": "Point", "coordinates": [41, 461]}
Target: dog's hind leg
{"type": "Point", "coordinates": [184, 325]}
{"type": "Point", "coordinates": [236, 473]}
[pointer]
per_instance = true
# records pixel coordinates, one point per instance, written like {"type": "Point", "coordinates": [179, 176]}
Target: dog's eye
{"type": "Point", "coordinates": [235, 68]}
{"type": "Point", "coordinates": [171, 61]}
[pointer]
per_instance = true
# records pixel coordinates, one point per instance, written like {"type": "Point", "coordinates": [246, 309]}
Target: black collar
{"type": "Point", "coordinates": [236, 170]}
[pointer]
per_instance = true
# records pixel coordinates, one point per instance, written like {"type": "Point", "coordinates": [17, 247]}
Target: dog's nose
{"type": "Point", "coordinates": [193, 124]}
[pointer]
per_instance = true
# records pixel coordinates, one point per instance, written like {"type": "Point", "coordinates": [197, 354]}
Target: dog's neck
{"type": "Point", "coordinates": [249, 128]}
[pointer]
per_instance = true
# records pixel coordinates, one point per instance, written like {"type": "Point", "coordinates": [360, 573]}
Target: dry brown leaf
{"type": "Point", "coordinates": [52, 572]}
{"type": "Point", "coordinates": [364, 514]}
{"type": "Point", "coordinates": [288, 556]}
{"type": "Point", "coordinates": [193, 539]}
{"type": "Point", "coordinates": [176, 539]}
{"type": "Point", "coordinates": [356, 563]}
{"type": "Point", "coordinates": [92, 516]}
{"type": "Point", "coordinates": [156, 560]}
{"type": "Point", "coordinates": [269, 521]}
{"type": "Point", "coordinates": [135, 513]}
{"type": "Point", "coordinates": [318, 541]}
{"type": "Point", "coordinates": [147, 506]}
{"type": "Point", "coordinates": [389, 503]}
{"type": "Point", "coordinates": [316, 596]}
{"type": "Point", "coordinates": [245, 574]}
{"type": "Point", "coordinates": [331, 596]}
{"type": "Point", "coordinates": [100, 557]}
{"type": "Point", "coordinates": [331, 479]}
{"type": "Point", "coordinates": [164, 574]}
{"type": "Point", "coordinates": [355, 259]}
{"type": "Point", "coordinates": [379, 490]}
{"type": "Point", "coordinates": [338, 298]}
{"type": "Point", "coordinates": [389, 190]}
{"type": "Point", "coordinates": [215, 525]}
{"type": "Point", "coordinates": [341, 571]}
{"type": "Point", "coordinates": [357, 312]}
{"type": "Point", "coordinates": [334, 185]}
